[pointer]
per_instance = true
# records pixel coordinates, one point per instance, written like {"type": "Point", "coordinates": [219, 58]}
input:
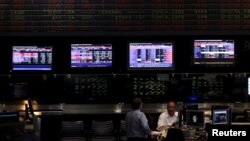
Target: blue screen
{"type": "Point", "coordinates": [221, 116]}
{"type": "Point", "coordinates": [32, 58]}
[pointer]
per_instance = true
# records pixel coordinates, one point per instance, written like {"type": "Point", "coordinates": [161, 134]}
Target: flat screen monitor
{"type": "Point", "coordinates": [151, 55]}
{"type": "Point", "coordinates": [221, 116]}
{"type": "Point", "coordinates": [214, 52]}
{"type": "Point", "coordinates": [91, 55]}
{"type": "Point", "coordinates": [32, 58]}
{"type": "Point", "coordinates": [195, 118]}
{"type": "Point", "coordinates": [9, 117]}
{"type": "Point", "coordinates": [248, 86]}
{"type": "Point", "coordinates": [18, 90]}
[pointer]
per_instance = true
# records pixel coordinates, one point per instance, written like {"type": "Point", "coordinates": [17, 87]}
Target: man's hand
{"type": "Point", "coordinates": [174, 124]}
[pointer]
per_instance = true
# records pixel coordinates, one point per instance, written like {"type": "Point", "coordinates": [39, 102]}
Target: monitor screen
{"type": "Point", "coordinates": [214, 52]}
{"type": "Point", "coordinates": [221, 116]}
{"type": "Point", "coordinates": [195, 118]}
{"type": "Point", "coordinates": [32, 58]}
{"type": "Point", "coordinates": [151, 55]}
{"type": "Point", "coordinates": [91, 55]}
{"type": "Point", "coordinates": [9, 117]}
{"type": "Point", "coordinates": [248, 86]}
{"type": "Point", "coordinates": [247, 112]}
{"type": "Point", "coordinates": [18, 90]}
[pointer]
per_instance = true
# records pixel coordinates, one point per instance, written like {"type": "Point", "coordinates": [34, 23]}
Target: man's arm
{"type": "Point", "coordinates": [161, 122]}
{"type": "Point", "coordinates": [144, 124]}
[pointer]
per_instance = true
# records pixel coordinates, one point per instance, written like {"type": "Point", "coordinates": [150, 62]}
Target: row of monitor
{"type": "Point", "coordinates": [142, 55]}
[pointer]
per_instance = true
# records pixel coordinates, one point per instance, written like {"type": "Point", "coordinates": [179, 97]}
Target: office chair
{"type": "Point", "coordinates": [102, 131]}
{"type": "Point", "coordinates": [73, 131]}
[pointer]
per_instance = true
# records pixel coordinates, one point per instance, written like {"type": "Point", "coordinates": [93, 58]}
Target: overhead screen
{"type": "Point", "coordinates": [37, 58]}
{"type": "Point", "coordinates": [214, 52]}
{"type": "Point", "coordinates": [91, 55]}
{"type": "Point", "coordinates": [151, 55]}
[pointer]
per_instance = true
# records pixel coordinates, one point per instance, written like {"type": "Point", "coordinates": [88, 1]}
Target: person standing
{"type": "Point", "coordinates": [137, 123]}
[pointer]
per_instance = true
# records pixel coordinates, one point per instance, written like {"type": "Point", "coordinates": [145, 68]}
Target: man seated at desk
{"type": "Point", "coordinates": [137, 123]}
{"type": "Point", "coordinates": [169, 118]}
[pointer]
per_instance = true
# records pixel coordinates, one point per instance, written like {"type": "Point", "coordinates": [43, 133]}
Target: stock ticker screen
{"type": "Point", "coordinates": [120, 16]}
{"type": "Point", "coordinates": [32, 58]}
{"type": "Point", "coordinates": [91, 55]}
{"type": "Point", "coordinates": [214, 52]}
{"type": "Point", "coordinates": [151, 55]}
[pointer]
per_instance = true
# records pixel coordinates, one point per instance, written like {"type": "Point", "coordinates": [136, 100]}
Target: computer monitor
{"type": "Point", "coordinates": [187, 107]}
{"type": "Point", "coordinates": [214, 52]}
{"type": "Point", "coordinates": [32, 58]}
{"type": "Point", "coordinates": [195, 118]}
{"type": "Point", "coordinates": [91, 55]}
{"type": "Point", "coordinates": [18, 90]}
{"type": "Point", "coordinates": [221, 115]}
{"type": "Point", "coordinates": [9, 117]}
{"type": "Point", "coordinates": [248, 86]}
{"type": "Point", "coordinates": [146, 55]}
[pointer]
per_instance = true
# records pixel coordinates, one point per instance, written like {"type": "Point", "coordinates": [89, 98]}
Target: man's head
{"type": "Point", "coordinates": [136, 104]}
{"type": "Point", "coordinates": [171, 107]}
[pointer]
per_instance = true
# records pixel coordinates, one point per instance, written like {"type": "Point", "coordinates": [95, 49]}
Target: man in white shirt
{"type": "Point", "coordinates": [168, 118]}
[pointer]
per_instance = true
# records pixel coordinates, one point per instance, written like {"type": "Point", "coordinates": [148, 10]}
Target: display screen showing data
{"type": "Point", "coordinates": [62, 17]}
{"type": "Point", "coordinates": [151, 55]}
{"type": "Point", "coordinates": [220, 117]}
{"type": "Point", "coordinates": [32, 58]}
{"type": "Point", "coordinates": [91, 55]}
{"type": "Point", "coordinates": [248, 86]}
{"type": "Point", "coordinates": [214, 52]}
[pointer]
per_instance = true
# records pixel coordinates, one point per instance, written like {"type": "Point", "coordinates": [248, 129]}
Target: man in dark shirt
{"type": "Point", "coordinates": [137, 123]}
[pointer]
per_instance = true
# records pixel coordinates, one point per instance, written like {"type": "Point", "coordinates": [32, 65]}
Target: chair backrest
{"type": "Point", "coordinates": [102, 128]}
{"type": "Point", "coordinates": [72, 129]}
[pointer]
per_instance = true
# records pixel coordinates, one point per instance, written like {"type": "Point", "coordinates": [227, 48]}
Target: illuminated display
{"type": "Point", "coordinates": [214, 52]}
{"type": "Point", "coordinates": [151, 55]}
{"type": "Point", "coordinates": [32, 58]}
{"type": "Point", "coordinates": [174, 16]}
{"type": "Point", "coordinates": [248, 86]}
{"type": "Point", "coordinates": [91, 55]}
{"type": "Point", "coordinates": [220, 117]}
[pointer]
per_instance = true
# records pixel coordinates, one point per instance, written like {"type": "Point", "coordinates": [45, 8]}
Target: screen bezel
{"type": "Point", "coordinates": [30, 70]}
{"type": "Point", "coordinates": [151, 68]}
{"type": "Point", "coordinates": [91, 67]}
{"type": "Point", "coordinates": [231, 63]}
